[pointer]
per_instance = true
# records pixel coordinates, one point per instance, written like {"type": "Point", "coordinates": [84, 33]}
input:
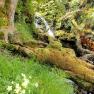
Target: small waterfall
{"type": "Point", "coordinates": [49, 31]}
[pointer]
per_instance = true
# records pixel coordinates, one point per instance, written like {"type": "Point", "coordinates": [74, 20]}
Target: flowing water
{"type": "Point", "coordinates": [38, 19]}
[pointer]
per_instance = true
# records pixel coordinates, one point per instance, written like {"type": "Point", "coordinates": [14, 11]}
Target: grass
{"type": "Point", "coordinates": [38, 78]}
{"type": "Point", "coordinates": [43, 79]}
{"type": "Point", "coordinates": [24, 30]}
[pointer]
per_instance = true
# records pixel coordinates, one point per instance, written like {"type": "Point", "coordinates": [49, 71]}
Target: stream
{"type": "Point", "coordinates": [38, 19]}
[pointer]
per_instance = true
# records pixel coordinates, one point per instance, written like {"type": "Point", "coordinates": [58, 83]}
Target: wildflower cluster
{"type": "Point", "coordinates": [21, 87]}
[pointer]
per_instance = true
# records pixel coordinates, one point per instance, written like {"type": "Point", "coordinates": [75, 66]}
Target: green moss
{"type": "Point", "coordinates": [24, 31]}
{"type": "Point", "coordinates": [64, 35]}
{"type": "Point", "coordinates": [3, 19]}
{"type": "Point", "coordinates": [55, 44]}
{"type": "Point", "coordinates": [1, 35]}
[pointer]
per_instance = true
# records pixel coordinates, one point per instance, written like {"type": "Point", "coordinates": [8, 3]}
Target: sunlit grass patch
{"type": "Point", "coordinates": [26, 76]}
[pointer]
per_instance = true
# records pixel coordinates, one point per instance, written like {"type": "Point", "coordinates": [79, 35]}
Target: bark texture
{"type": "Point", "coordinates": [9, 6]}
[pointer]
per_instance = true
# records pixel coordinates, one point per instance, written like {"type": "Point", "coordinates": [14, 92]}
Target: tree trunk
{"type": "Point", "coordinates": [11, 13]}
{"type": "Point", "coordinates": [2, 3]}
{"type": "Point", "coordinates": [10, 7]}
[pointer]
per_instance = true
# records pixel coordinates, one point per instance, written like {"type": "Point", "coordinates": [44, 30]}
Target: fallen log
{"type": "Point", "coordinates": [77, 68]}
{"type": "Point", "coordinates": [61, 58]}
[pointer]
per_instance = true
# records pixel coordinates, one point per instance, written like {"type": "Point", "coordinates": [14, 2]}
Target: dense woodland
{"type": "Point", "coordinates": [47, 46]}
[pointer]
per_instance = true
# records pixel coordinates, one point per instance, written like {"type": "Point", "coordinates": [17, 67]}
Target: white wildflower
{"type": "Point", "coordinates": [22, 91]}
{"type": "Point", "coordinates": [30, 77]}
{"type": "Point", "coordinates": [9, 88]}
{"type": "Point", "coordinates": [36, 85]}
{"type": "Point", "coordinates": [17, 88]}
{"type": "Point", "coordinates": [92, 15]}
{"type": "Point", "coordinates": [17, 85]}
{"type": "Point", "coordinates": [23, 75]}
{"type": "Point", "coordinates": [25, 83]}
{"type": "Point", "coordinates": [12, 82]}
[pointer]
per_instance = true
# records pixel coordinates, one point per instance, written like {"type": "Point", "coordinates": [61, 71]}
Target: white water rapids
{"type": "Point", "coordinates": [49, 31]}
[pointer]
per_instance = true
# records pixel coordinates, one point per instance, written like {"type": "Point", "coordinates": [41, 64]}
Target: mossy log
{"type": "Point", "coordinates": [81, 71]}
{"type": "Point", "coordinates": [61, 58]}
{"type": "Point", "coordinates": [66, 61]}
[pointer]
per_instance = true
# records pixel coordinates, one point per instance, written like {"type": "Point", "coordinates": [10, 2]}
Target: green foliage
{"type": "Point", "coordinates": [55, 45]}
{"type": "Point", "coordinates": [19, 10]}
{"type": "Point", "coordinates": [3, 19]}
{"type": "Point", "coordinates": [3, 22]}
{"type": "Point", "coordinates": [52, 10]}
{"type": "Point", "coordinates": [42, 79]}
{"type": "Point", "coordinates": [25, 18]}
{"type": "Point", "coordinates": [24, 30]}
{"type": "Point", "coordinates": [74, 4]}
{"type": "Point", "coordinates": [30, 7]}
